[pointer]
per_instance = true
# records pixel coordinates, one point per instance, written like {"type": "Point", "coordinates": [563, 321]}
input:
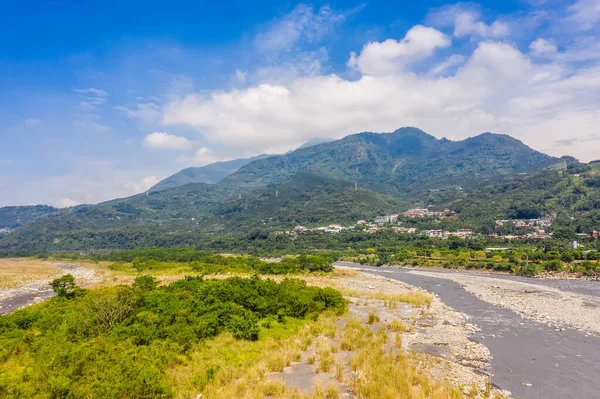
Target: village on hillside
{"type": "Point", "coordinates": [530, 228]}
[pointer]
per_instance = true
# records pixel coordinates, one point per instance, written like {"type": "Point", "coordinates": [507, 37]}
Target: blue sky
{"type": "Point", "coordinates": [103, 99]}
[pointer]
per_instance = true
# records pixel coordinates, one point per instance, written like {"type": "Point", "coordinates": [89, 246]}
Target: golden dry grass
{"type": "Point", "coordinates": [415, 298]}
{"type": "Point", "coordinates": [18, 272]}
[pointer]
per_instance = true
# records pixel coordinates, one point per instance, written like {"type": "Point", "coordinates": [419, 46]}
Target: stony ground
{"type": "Point", "coordinates": [533, 301]}
{"type": "Point", "coordinates": [438, 335]}
{"type": "Point", "coordinates": [39, 290]}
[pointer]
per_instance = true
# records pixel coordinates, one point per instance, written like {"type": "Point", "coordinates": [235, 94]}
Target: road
{"type": "Point", "coordinates": [529, 359]}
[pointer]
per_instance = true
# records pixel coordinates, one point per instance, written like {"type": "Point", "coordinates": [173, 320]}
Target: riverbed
{"type": "Point", "coordinates": [531, 358]}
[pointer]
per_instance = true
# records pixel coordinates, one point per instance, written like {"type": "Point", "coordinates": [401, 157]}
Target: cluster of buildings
{"type": "Point", "coordinates": [527, 223]}
{"type": "Point", "coordinates": [5, 230]}
{"type": "Point", "coordinates": [462, 233]}
{"type": "Point", "coordinates": [535, 228]}
{"type": "Point", "coordinates": [424, 212]}
{"type": "Point", "coordinates": [537, 235]}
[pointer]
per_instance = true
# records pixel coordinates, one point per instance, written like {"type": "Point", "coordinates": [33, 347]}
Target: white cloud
{"type": "Point", "coordinates": [542, 46]}
{"type": "Point", "coordinates": [148, 113]}
{"type": "Point", "coordinates": [584, 14]}
{"type": "Point", "coordinates": [496, 88]}
{"type": "Point", "coordinates": [162, 140]}
{"type": "Point", "coordinates": [89, 107]}
{"type": "Point", "coordinates": [301, 24]}
{"type": "Point", "coordinates": [466, 20]}
{"type": "Point", "coordinates": [143, 184]}
{"type": "Point", "coordinates": [66, 203]}
{"type": "Point", "coordinates": [90, 185]}
{"type": "Point", "coordinates": [391, 56]}
{"type": "Point", "coordinates": [93, 91]}
{"type": "Point", "coordinates": [202, 156]}
{"type": "Point", "coordinates": [447, 65]}
{"type": "Point", "coordinates": [32, 122]}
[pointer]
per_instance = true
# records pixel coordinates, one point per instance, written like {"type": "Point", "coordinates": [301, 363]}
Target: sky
{"type": "Point", "coordinates": [102, 99]}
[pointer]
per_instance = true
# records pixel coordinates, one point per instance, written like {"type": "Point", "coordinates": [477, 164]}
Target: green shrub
{"type": "Point", "coordinates": [119, 341]}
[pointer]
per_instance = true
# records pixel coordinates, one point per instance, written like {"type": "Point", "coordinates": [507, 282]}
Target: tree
{"type": "Point", "coordinates": [64, 286]}
{"type": "Point", "coordinates": [145, 283]}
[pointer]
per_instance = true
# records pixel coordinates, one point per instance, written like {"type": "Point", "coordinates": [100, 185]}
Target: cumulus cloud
{"type": "Point", "coordinates": [495, 88]}
{"type": "Point", "coordinates": [542, 46]}
{"type": "Point", "coordinates": [202, 156]}
{"type": "Point", "coordinates": [390, 56]}
{"type": "Point", "coordinates": [162, 140]}
{"type": "Point", "coordinates": [466, 20]}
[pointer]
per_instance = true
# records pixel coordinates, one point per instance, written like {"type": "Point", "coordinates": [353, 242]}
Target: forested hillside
{"type": "Point", "coordinates": [480, 179]}
{"type": "Point", "coordinates": [401, 163]}
{"type": "Point", "coordinates": [15, 216]}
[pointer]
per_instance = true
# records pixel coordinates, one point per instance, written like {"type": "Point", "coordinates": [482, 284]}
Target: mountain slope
{"type": "Point", "coordinates": [399, 163]}
{"type": "Point", "coordinates": [197, 209]}
{"type": "Point", "coordinates": [209, 174]}
{"type": "Point", "coordinates": [15, 216]}
{"type": "Point", "coordinates": [307, 199]}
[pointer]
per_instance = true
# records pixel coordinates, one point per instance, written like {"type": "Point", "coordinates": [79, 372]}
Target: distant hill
{"type": "Point", "coordinates": [15, 216]}
{"type": "Point", "coordinates": [200, 209]}
{"type": "Point", "coordinates": [399, 163]}
{"type": "Point", "coordinates": [305, 199]}
{"type": "Point", "coordinates": [315, 185]}
{"type": "Point", "coordinates": [209, 174]}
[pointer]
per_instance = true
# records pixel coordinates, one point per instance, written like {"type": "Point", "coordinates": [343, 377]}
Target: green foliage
{"type": "Point", "coordinates": [145, 283]}
{"type": "Point", "coordinates": [15, 216]}
{"type": "Point", "coordinates": [119, 342]}
{"type": "Point", "coordinates": [64, 286]}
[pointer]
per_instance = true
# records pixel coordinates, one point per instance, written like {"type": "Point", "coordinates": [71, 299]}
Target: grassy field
{"type": "Point", "coordinates": [16, 272]}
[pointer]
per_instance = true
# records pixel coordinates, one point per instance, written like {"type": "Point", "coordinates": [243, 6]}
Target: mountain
{"type": "Point", "coordinates": [399, 163]}
{"type": "Point", "coordinates": [573, 195]}
{"type": "Point", "coordinates": [314, 185]}
{"type": "Point", "coordinates": [209, 174]}
{"type": "Point", "coordinates": [197, 209]}
{"type": "Point", "coordinates": [305, 199]}
{"type": "Point", "coordinates": [14, 216]}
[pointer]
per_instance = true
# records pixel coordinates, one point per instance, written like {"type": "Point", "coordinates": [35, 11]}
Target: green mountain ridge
{"type": "Point", "coordinates": [314, 184]}
{"type": "Point", "coordinates": [14, 216]}
{"type": "Point", "coordinates": [399, 163]}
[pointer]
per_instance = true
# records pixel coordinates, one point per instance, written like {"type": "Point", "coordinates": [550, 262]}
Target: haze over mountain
{"type": "Point", "coordinates": [210, 174]}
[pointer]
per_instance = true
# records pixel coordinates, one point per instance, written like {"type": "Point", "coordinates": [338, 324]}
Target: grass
{"type": "Point", "coordinates": [415, 298]}
{"type": "Point", "coordinates": [399, 327]}
{"type": "Point", "coordinates": [373, 317]}
{"type": "Point", "coordinates": [383, 374]}
{"type": "Point", "coordinates": [228, 368]}
{"type": "Point", "coordinates": [16, 272]}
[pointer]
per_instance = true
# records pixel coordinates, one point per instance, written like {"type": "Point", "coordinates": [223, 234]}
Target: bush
{"type": "Point", "coordinates": [64, 286]}
{"type": "Point", "coordinates": [119, 341]}
{"type": "Point", "coordinates": [553, 265]}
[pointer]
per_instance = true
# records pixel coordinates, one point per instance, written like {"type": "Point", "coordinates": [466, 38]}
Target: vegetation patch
{"type": "Point", "coordinates": [122, 341]}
